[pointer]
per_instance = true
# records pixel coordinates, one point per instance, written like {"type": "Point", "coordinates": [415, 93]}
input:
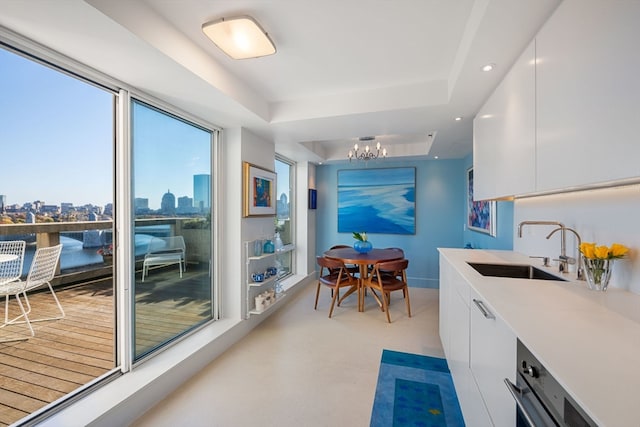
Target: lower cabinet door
{"type": "Point", "coordinates": [492, 359]}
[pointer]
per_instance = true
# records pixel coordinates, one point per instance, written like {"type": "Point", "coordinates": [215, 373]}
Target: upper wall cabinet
{"type": "Point", "coordinates": [588, 94]}
{"type": "Point", "coordinates": [573, 119]}
{"type": "Point", "coordinates": [504, 145]}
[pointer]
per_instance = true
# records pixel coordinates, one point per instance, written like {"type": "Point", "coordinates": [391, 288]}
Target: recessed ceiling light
{"type": "Point", "coordinates": [240, 37]}
{"type": "Point", "coordinates": [457, 119]}
{"type": "Point", "coordinates": [435, 157]}
{"type": "Point", "coordinates": [488, 67]}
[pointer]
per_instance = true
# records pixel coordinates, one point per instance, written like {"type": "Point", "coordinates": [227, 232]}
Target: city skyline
{"type": "Point", "coordinates": [58, 132]}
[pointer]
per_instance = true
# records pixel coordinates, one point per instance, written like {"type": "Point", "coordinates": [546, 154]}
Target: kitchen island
{"type": "Point", "coordinates": [589, 341]}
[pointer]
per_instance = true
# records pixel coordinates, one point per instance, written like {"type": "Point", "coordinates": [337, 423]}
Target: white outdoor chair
{"type": "Point", "coordinates": [43, 269]}
{"type": "Point", "coordinates": [164, 251]}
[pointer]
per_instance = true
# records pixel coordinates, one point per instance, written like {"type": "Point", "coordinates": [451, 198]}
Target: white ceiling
{"type": "Point", "coordinates": [399, 70]}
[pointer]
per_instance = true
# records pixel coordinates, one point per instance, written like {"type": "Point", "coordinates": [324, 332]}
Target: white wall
{"type": "Point", "coordinates": [604, 216]}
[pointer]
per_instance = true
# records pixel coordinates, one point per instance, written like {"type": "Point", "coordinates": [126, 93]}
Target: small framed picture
{"type": "Point", "coordinates": [313, 198]}
{"type": "Point", "coordinates": [259, 195]}
{"type": "Point", "coordinates": [481, 215]}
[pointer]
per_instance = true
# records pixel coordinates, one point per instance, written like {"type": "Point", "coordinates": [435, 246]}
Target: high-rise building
{"type": "Point", "coordinates": [3, 203]}
{"type": "Point", "coordinates": [202, 192]}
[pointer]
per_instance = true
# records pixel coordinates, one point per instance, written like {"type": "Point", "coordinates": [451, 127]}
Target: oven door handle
{"type": "Point", "coordinates": [517, 392]}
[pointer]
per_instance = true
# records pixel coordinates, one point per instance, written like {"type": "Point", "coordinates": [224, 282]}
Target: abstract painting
{"type": "Point", "coordinates": [377, 200]}
{"type": "Point", "coordinates": [481, 215]}
{"type": "Point", "coordinates": [259, 191]}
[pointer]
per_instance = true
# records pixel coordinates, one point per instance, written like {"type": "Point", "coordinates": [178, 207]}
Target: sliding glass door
{"type": "Point", "coordinates": [171, 162]}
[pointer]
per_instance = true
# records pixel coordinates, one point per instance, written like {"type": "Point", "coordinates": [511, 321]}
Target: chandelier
{"type": "Point", "coordinates": [367, 154]}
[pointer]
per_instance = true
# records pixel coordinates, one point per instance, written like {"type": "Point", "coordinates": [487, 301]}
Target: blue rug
{"type": "Point", "coordinates": [415, 390]}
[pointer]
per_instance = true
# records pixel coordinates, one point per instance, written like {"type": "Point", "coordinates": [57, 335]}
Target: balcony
{"type": "Point", "coordinates": [67, 354]}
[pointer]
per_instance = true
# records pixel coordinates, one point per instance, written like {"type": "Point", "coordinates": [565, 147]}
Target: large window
{"type": "Point", "coordinates": [173, 233]}
{"type": "Point", "coordinates": [284, 214]}
{"type": "Point", "coordinates": [57, 166]}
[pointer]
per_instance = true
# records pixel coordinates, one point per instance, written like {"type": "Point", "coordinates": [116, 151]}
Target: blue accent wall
{"type": "Point", "coordinates": [440, 216]}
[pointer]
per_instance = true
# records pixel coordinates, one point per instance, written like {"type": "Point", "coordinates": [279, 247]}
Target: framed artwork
{"type": "Point", "coordinates": [313, 198]}
{"type": "Point", "coordinates": [259, 195]}
{"type": "Point", "coordinates": [377, 200]}
{"type": "Point", "coordinates": [481, 215]}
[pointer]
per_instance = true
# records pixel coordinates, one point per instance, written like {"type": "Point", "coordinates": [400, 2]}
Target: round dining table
{"type": "Point", "coordinates": [363, 261]}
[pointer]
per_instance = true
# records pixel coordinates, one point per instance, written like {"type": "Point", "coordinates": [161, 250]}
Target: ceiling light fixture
{"type": "Point", "coordinates": [458, 119]}
{"type": "Point", "coordinates": [367, 154]}
{"type": "Point", "coordinates": [489, 67]}
{"type": "Point", "coordinates": [240, 37]}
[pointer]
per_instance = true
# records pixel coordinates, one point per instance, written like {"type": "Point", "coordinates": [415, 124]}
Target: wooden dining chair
{"type": "Point", "coordinates": [387, 277]}
{"type": "Point", "coordinates": [353, 269]}
{"type": "Point", "coordinates": [334, 275]}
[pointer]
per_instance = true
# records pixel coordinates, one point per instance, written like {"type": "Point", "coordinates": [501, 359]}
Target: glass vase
{"type": "Point", "coordinates": [597, 272]}
{"type": "Point", "coordinates": [362, 247]}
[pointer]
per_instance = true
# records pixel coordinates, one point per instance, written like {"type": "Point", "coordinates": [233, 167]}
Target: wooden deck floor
{"type": "Point", "coordinates": [68, 353]}
{"type": "Point", "coordinates": [63, 355]}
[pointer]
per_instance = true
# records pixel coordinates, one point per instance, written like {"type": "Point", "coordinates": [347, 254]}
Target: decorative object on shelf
{"type": "Point", "coordinates": [481, 215]}
{"type": "Point", "coordinates": [107, 254]}
{"type": "Point", "coordinates": [278, 242]}
{"type": "Point", "coordinates": [598, 263]}
{"type": "Point", "coordinates": [380, 200]}
{"type": "Point", "coordinates": [259, 195]}
{"type": "Point", "coordinates": [268, 247]}
{"type": "Point", "coordinates": [362, 245]}
{"type": "Point", "coordinates": [257, 247]}
{"type": "Point", "coordinates": [367, 154]}
{"type": "Point", "coordinates": [258, 277]}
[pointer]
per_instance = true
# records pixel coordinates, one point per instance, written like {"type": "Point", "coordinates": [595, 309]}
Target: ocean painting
{"type": "Point", "coordinates": [377, 201]}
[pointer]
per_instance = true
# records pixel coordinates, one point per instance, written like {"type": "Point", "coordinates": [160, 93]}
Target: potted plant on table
{"type": "Point", "coordinates": [362, 245]}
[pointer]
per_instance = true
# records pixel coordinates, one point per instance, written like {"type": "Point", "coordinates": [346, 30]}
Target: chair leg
{"type": "Point", "coordinates": [407, 301]}
{"type": "Point", "coordinates": [55, 298]}
{"type": "Point", "coordinates": [333, 301]}
{"type": "Point", "coordinates": [385, 306]}
{"type": "Point", "coordinates": [317, 294]}
{"type": "Point", "coordinates": [26, 320]}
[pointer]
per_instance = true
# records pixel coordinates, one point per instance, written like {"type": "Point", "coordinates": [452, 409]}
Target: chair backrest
{"type": "Point", "coordinates": [43, 266]}
{"type": "Point", "coordinates": [166, 244]}
{"type": "Point", "coordinates": [329, 263]}
{"type": "Point", "coordinates": [393, 266]}
{"type": "Point", "coordinates": [11, 269]}
{"type": "Point", "coordinates": [398, 250]}
{"type": "Point", "coordinates": [339, 247]}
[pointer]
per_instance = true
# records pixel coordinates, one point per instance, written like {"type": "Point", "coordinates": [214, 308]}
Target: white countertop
{"type": "Point", "coordinates": [589, 341]}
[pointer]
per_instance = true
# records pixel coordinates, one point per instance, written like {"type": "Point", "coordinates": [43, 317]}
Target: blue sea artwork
{"type": "Point", "coordinates": [377, 201]}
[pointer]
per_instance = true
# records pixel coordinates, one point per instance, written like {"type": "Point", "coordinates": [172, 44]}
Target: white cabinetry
{"type": "Point", "coordinates": [587, 94]}
{"type": "Point", "coordinates": [504, 144]}
{"type": "Point", "coordinates": [571, 120]}
{"type": "Point", "coordinates": [454, 333]}
{"type": "Point", "coordinates": [493, 358]}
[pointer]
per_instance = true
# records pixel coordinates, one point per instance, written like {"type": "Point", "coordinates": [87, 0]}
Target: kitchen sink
{"type": "Point", "coordinates": [514, 271]}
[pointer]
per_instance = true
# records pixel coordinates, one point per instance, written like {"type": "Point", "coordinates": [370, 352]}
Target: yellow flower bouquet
{"type": "Point", "coordinates": [598, 262]}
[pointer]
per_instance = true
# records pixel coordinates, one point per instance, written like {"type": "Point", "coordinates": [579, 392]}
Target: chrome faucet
{"type": "Point", "coordinates": [563, 259]}
{"type": "Point", "coordinates": [580, 271]}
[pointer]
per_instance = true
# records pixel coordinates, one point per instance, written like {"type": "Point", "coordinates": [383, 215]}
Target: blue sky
{"type": "Point", "coordinates": [55, 136]}
{"type": "Point", "coordinates": [56, 141]}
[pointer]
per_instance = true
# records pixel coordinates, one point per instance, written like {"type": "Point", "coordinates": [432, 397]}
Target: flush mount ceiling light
{"type": "Point", "coordinates": [240, 37]}
{"type": "Point", "coordinates": [367, 154]}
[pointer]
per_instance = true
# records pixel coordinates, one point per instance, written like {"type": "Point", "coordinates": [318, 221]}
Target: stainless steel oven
{"type": "Point", "coordinates": [540, 399]}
